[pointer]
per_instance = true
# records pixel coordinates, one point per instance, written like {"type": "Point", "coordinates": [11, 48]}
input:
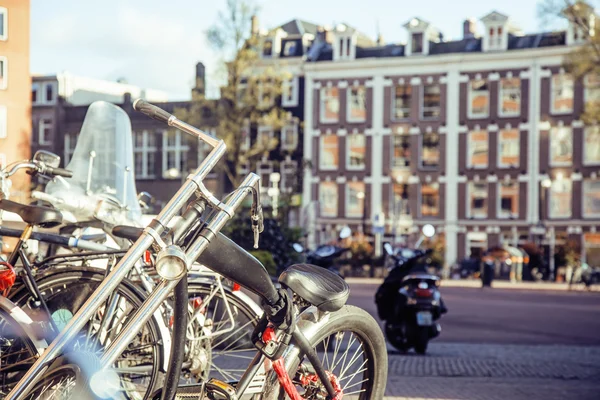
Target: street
{"type": "Point", "coordinates": [502, 344]}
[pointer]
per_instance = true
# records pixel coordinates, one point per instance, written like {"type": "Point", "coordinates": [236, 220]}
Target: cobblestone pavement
{"type": "Point", "coordinates": [453, 371]}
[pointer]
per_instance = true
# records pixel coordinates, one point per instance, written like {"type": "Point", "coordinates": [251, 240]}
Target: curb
{"type": "Point", "coordinates": [544, 286]}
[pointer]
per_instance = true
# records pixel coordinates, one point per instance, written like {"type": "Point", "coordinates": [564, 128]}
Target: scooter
{"type": "Point", "coordinates": [409, 300]}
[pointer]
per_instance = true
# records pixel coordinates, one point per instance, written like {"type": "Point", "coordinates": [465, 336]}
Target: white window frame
{"type": "Point", "coordinates": [501, 92]}
{"type": "Point", "coordinates": [469, 211]}
{"type": "Point", "coordinates": [35, 86]}
{"type": "Point", "coordinates": [393, 155]}
{"type": "Point", "coordinates": [285, 47]}
{"type": "Point", "coordinates": [499, 146]}
{"type": "Point", "coordinates": [261, 130]}
{"type": "Point", "coordinates": [4, 72]}
{"type": "Point", "coordinates": [499, 212]}
{"type": "Point", "coordinates": [583, 189]}
{"type": "Point", "coordinates": [287, 167]}
{"type": "Point", "coordinates": [355, 167]}
{"type": "Point", "coordinates": [420, 201]}
{"type": "Point", "coordinates": [349, 103]}
{"type": "Point", "coordinates": [293, 126]}
{"type": "Point", "coordinates": [422, 103]}
{"type": "Point", "coordinates": [54, 94]}
{"type": "Point", "coordinates": [322, 107]}
{"type": "Point", "coordinates": [549, 205]}
{"type": "Point", "coordinates": [421, 147]}
{"type": "Point", "coordinates": [552, 110]}
{"type": "Point", "coordinates": [393, 102]}
{"type": "Point", "coordinates": [470, 114]}
{"type": "Point", "coordinates": [347, 196]}
{"type": "Point", "coordinates": [4, 12]}
{"type": "Point", "coordinates": [585, 162]}
{"type": "Point", "coordinates": [292, 84]}
{"type": "Point", "coordinates": [144, 150]}
{"type": "Point", "coordinates": [321, 152]}
{"type": "Point", "coordinates": [3, 122]}
{"type": "Point", "coordinates": [552, 162]}
{"type": "Point", "coordinates": [42, 139]}
{"type": "Point", "coordinates": [178, 148]}
{"type": "Point", "coordinates": [469, 146]}
{"type": "Point", "coordinates": [588, 87]}
{"type": "Point", "coordinates": [337, 200]}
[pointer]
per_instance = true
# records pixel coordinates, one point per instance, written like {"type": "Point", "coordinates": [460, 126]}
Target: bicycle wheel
{"type": "Point", "coordinates": [352, 349]}
{"type": "Point", "coordinates": [17, 352]}
{"type": "Point", "coordinates": [219, 334]}
{"type": "Point", "coordinates": [65, 291]}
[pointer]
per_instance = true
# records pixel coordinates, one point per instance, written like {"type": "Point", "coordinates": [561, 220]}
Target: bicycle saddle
{"type": "Point", "coordinates": [320, 287]}
{"type": "Point", "coordinates": [127, 232]}
{"type": "Point", "coordinates": [44, 217]}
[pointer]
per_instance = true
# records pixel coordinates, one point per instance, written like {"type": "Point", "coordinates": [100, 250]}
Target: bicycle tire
{"type": "Point", "coordinates": [53, 281]}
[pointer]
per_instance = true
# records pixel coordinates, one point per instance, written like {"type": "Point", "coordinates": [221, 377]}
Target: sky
{"type": "Point", "coordinates": [156, 43]}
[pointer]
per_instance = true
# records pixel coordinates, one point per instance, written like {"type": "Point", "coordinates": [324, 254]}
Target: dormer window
{"type": "Point", "coordinates": [497, 28]}
{"type": "Point", "coordinates": [344, 47]}
{"type": "Point", "coordinates": [267, 50]}
{"type": "Point", "coordinates": [289, 49]}
{"type": "Point", "coordinates": [417, 43]}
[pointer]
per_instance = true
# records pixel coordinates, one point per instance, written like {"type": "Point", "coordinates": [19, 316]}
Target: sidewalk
{"type": "Point", "coordinates": [474, 283]}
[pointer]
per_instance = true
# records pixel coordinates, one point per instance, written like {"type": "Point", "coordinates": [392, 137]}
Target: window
{"type": "Point", "coordinates": [357, 104]}
{"type": "Point", "coordinates": [401, 155]}
{"type": "Point", "coordinates": [591, 197]}
{"type": "Point", "coordinates": [430, 150]}
{"type": "Point", "coordinates": [267, 50]}
{"type": "Point", "coordinates": [561, 145]}
{"type": "Point", "coordinates": [509, 200]}
{"type": "Point", "coordinates": [265, 137]}
{"type": "Point", "coordinates": [245, 137]}
{"type": "Point", "coordinates": [70, 143]}
{"type": "Point", "coordinates": [289, 92]}
{"type": "Point", "coordinates": [478, 200]}
{"type": "Point", "coordinates": [328, 199]}
{"type": "Point", "coordinates": [592, 89]}
{"type": "Point", "coordinates": [561, 101]}
{"type": "Point", "coordinates": [401, 102]}
{"type": "Point", "coordinates": [3, 122]}
{"type": "Point", "coordinates": [145, 153]}
{"type": "Point", "coordinates": [175, 151]}
{"type": "Point", "coordinates": [3, 72]}
{"type": "Point", "coordinates": [479, 99]}
{"type": "Point", "coordinates": [431, 102]}
{"type": "Point", "coordinates": [289, 49]}
{"type": "Point", "coordinates": [355, 151]}
{"type": "Point", "coordinates": [49, 93]}
{"type": "Point", "coordinates": [355, 199]}
{"type": "Point", "coordinates": [45, 131]}
{"type": "Point", "coordinates": [509, 144]}
{"type": "Point", "coordinates": [400, 205]}
{"type": "Point", "coordinates": [330, 105]}
{"type": "Point", "coordinates": [3, 23]}
{"type": "Point", "coordinates": [329, 154]}
{"type": "Point", "coordinates": [35, 88]}
{"type": "Point", "coordinates": [430, 199]}
{"type": "Point", "coordinates": [560, 198]}
{"type": "Point", "coordinates": [289, 176]}
{"type": "Point", "coordinates": [289, 136]}
{"type": "Point", "coordinates": [510, 97]}
{"type": "Point", "coordinates": [242, 91]}
{"type": "Point", "coordinates": [417, 43]}
{"type": "Point", "coordinates": [478, 147]}
{"type": "Point", "coordinates": [591, 145]}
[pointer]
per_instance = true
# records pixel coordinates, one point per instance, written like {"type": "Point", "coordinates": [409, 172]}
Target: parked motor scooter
{"type": "Point", "coordinates": [409, 300]}
{"type": "Point", "coordinates": [325, 255]}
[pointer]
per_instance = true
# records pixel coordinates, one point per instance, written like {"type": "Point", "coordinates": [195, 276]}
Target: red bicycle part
{"type": "Point", "coordinates": [7, 277]}
{"type": "Point", "coordinates": [284, 379]}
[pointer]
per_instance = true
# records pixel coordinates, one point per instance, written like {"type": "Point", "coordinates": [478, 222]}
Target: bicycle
{"type": "Point", "coordinates": [300, 320]}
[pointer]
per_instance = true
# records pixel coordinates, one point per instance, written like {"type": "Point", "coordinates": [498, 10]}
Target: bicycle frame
{"type": "Point", "coordinates": [151, 236]}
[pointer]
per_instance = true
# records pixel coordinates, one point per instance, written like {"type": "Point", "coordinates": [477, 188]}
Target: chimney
{"type": "Point", "coordinates": [199, 89]}
{"type": "Point", "coordinates": [469, 28]}
{"type": "Point", "coordinates": [254, 26]}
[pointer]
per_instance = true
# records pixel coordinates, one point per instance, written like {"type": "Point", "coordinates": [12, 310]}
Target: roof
{"type": "Point", "coordinates": [299, 27]}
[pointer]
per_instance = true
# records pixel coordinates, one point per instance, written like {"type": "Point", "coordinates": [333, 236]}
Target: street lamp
{"type": "Point", "coordinates": [546, 183]}
{"type": "Point", "coordinates": [362, 196]}
{"type": "Point", "coordinates": [273, 191]}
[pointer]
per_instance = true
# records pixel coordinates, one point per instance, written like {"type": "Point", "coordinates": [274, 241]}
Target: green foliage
{"type": "Point", "coordinates": [266, 258]}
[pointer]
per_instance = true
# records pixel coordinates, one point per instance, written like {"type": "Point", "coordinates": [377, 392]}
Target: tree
{"type": "Point", "coordinates": [585, 58]}
{"type": "Point", "coordinates": [249, 98]}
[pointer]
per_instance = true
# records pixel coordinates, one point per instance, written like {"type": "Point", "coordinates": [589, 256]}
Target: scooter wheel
{"type": "Point", "coordinates": [394, 335]}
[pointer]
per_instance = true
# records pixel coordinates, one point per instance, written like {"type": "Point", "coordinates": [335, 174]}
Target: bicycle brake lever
{"type": "Point", "coordinates": [256, 214]}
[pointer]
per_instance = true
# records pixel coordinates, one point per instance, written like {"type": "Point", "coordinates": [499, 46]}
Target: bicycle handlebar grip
{"type": "Point", "coordinates": [65, 173]}
{"type": "Point", "coordinates": [151, 110]}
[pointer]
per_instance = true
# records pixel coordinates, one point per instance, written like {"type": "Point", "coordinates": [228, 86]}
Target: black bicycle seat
{"type": "Point", "coordinates": [44, 217]}
{"type": "Point", "coordinates": [127, 232]}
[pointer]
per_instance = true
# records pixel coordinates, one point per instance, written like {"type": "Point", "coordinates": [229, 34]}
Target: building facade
{"type": "Point", "coordinates": [480, 137]}
{"type": "Point", "coordinates": [15, 81]}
